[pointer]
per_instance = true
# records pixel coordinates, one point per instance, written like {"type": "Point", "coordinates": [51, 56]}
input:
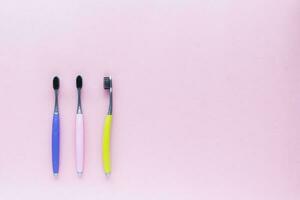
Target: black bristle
{"type": "Point", "coordinates": [79, 82]}
{"type": "Point", "coordinates": [55, 83]}
{"type": "Point", "coordinates": [107, 82]}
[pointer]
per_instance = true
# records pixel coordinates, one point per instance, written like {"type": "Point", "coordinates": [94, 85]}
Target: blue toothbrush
{"type": "Point", "coordinates": [55, 130]}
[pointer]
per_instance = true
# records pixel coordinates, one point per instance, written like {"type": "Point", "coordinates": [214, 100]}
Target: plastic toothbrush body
{"type": "Point", "coordinates": [79, 135]}
{"type": "Point", "coordinates": [107, 129]}
{"type": "Point", "coordinates": [55, 130]}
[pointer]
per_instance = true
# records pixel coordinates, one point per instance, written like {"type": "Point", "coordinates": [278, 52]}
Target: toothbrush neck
{"type": "Point", "coordinates": [79, 109]}
{"type": "Point", "coordinates": [110, 108]}
{"type": "Point", "coordinates": [56, 102]}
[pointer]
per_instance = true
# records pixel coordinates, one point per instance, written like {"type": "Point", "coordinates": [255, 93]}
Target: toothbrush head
{"type": "Point", "coordinates": [79, 82]}
{"type": "Point", "coordinates": [55, 83]}
{"type": "Point", "coordinates": [107, 83]}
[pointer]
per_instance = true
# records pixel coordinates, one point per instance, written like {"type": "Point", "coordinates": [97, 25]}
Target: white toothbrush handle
{"type": "Point", "coordinates": [79, 144]}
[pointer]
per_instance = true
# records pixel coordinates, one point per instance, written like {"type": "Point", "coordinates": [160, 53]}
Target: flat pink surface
{"type": "Point", "coordinates": [207, 98]}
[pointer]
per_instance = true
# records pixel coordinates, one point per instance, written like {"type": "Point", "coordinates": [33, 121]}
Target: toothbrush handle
{"type": "Point", "coordinates": [79, 140]}
{"type": "Point", "coordinates": [55, 144]}
{"type": "Point", "coordinates": [106, 145]}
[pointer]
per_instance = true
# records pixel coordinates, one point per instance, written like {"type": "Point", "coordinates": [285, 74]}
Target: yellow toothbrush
{"type": "Point", "coordinates": [107, 83]}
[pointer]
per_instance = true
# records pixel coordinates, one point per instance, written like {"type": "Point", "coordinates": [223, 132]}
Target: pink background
{"type": "Point", "coordinates": [207, 97]}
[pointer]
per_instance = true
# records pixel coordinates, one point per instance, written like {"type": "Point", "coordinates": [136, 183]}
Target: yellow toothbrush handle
{"type": "Point", "coordinates": [106, 145]}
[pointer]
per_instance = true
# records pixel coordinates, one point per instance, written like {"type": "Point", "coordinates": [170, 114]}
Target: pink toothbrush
{"type": "Point", "coordinates": [79, 135]}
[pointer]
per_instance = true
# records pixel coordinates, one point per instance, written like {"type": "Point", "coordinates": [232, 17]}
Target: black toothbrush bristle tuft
{"type": "Point", "coordinates": [55, 83]}
{"type": "Point", "coordinates": [106, 83]}
{"type": "Point", "coordinates": [79, 82]}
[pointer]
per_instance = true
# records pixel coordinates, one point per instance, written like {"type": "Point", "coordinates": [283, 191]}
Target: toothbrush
{"type": "Point", "coordinates": [55, 130]}
{"type": "Point", "coordinates": [107, 83]}
{"type": "Point", "coordinates": [79, 135]}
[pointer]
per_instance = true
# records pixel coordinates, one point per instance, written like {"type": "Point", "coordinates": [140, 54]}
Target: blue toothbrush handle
{"type": "Point", "coordinates": [55, 144]}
